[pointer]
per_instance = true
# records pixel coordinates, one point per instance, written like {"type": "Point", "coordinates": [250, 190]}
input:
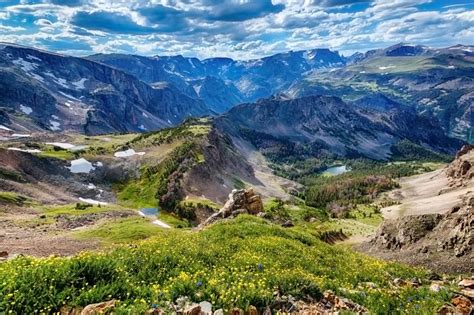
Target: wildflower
{"type": "Point", "coordinates": [260, 266]}
{"type": "Point", "coordinates": [199, 284]}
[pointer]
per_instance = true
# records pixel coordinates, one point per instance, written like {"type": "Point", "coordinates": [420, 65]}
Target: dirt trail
{"type": "Point", "coordinates": [36, 239]}
{"type": "Point", "coordinates": [423, 194]}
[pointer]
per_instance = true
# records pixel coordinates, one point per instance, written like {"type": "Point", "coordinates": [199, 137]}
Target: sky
{"type": "Point", "coordinates": [240, 29]}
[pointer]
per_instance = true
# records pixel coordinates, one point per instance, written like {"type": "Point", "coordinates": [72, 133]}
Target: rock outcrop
{"type": "Point", "coordinates": [240, 201]}
{"type": "Point", "coordinates": [461, 171]}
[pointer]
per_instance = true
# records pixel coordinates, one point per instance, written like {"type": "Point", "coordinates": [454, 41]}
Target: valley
{"type": "Point", "coordinates": [163, 184]}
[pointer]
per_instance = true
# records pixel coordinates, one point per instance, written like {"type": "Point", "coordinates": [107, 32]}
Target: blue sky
{"type": "Point", "coordinates": [240, 29]}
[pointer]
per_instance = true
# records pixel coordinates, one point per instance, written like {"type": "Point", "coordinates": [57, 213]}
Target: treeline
{"type": "Point", "coordinates": [366, 180]}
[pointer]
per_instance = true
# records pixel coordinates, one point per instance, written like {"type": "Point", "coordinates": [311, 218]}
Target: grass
{"type": "Point", "coordinates": [61, 154]}
{"type": "Point", "coordinates": [194, 200]}
{"type": "Point", "coordinates": [12, 198]}
{"type": "Point", "coordinates": [121, 230]}
{"type": "Point", "coordinates": [70, 209]}
{"type": "Point", "coordinates": [173, 220]}
{"type": "Point", "coordinates": [231, 264]}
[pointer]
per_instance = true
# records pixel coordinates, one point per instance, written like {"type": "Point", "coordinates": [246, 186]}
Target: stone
{"type": "Point", "coordinates": [193, 309]}
{"type": "Point", "coordinates": [98, 308]}
{"type": "Point", "coordinates": [154, 311]}
{"type": "Point", "coordinates": [219, 312]}
{"type": "Point", "coordinates": [239, 202]}
{"type": "Point", "coordinates": [466, 283]}
{"type": "Point", "coordinates": [236, 311]}
{"type": "Point", "coordinates": [462, 304]}
{"type": "Point", "coordinates": [288, 223]}
{"type": "Point", "coordinates": [468, 292]}
{"type": "Point", "coordinates": [3, 254]}
{"type": "Point", "coordinates": [252, 310]}
{"type": "Point", "coordinates": [399, 282]}
{"type": "Point", "coordinates": [446, 310]}
{"type": "Point", "coordinates": [206, 307]}
{"type": "Point", "coordinates": [435, 287]}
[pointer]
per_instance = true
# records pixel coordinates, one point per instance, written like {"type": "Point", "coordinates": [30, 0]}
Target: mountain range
{"type": "Point", "coordinates": [106, 93]}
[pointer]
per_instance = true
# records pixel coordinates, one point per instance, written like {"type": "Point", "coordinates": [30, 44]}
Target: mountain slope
{"type": "Point", "coordinates": [436, 82]}
{"type": "Point", "coordinates": [317, 124]}
{"type": "Point", "coordinates": [45, 91]}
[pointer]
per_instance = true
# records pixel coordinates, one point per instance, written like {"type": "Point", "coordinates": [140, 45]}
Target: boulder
{"type": "Point", "coordinates": [193, 309]}
{"type": "Point", "coordinates": [206, 308]}
{"type": "Point", "coordinates": [467, 283]}
{"type": "Point", "coordinates": [252, 310]}
{"type": "Point", "coordinates": [462, 304]}
{"type": "Point", "coordinates": [240, 201]}
{"type": "Point", "coordinates": [99, 308]}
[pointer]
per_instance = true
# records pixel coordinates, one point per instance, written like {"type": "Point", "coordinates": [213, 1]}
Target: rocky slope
{"type": "Point", "coordinates": [443, 242]}
{"type": "Point", "coordinates": [46, 91]}
{"type": "Point", "coordinates": [313, 125]}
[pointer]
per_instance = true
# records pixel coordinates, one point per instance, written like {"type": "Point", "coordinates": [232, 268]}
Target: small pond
{"type": "Point", "coordinates": [148, 212]}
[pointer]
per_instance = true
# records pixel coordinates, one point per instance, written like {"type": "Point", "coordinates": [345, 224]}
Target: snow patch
{"type": "Point", "coordinates": [31, 57]}
{"type": "Point", "coordinates": [69, 96]}
{"type": "Point", "coordinates": [145, 115]}
{"type": "Point", "coordinates": [26, 109]}
{"type": "Point", "coordinates": [25, 65]}
{"type": "Point", "coordinates": [387, 67]}
{"type": "Point", "coordinates": [197, 88]}
{"type": "Point", "coordinates": [161, 224]}
{"type": "Point", "coordinates": [93, 202]}
{"type": "Point", "coordinates": [79, 84]}
{"type": "Point", "coordinates": [127, 153]}
{"type": "Point", "coordinates": [25, 150]}
{"type": "Point", "coordinates": [141, 127]}
{"type": "Point", "coordinates": [21, 135]}
{"type": "Point", "coordinates": [54, 125]}
{"type": "Point", "coordinates": [81, 166]}
{"type": "Point", "coordinates": [5, 128]}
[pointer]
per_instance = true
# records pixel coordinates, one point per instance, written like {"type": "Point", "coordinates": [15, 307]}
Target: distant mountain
{"type": "Point", "coordinates": [314, 125]}
{"type": "Point", "coordinates": [438, 82]}
{"type": "Point", "coordinates": [218, 95]}
{"type": "Point", "coordinates": [254, 79]}
{"type": "Point", "coordinates": [46, 91]}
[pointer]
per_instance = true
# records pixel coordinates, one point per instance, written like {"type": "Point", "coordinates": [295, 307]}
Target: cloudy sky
{"type": "Point", "coordinates": [240, 29]}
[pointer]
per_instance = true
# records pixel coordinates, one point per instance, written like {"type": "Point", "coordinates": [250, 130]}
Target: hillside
{"type": "Point", "coordinates": [233, 264]}
{"type": "Point", "coordinates": [433, 224]}
{"type": "Point", "coordinates": [45, 91]}
{"type": "Point", "coordinates": [316, 125]}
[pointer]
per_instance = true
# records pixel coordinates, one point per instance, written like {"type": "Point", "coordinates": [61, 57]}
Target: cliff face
{"type": "Point", "coordinates": [442, 242]}
{"type": "Point", "coordinates": [461, 171]}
